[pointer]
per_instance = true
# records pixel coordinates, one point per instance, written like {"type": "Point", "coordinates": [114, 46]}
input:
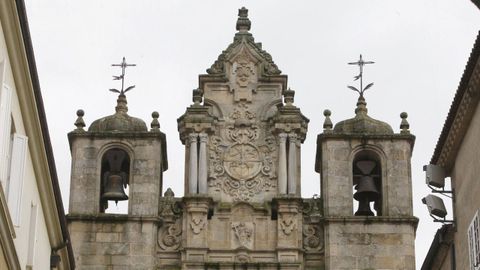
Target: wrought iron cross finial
{"type": "Point", "coordinates": [360, 63]}
{"type": "Point", "coordinates": [123, 65]}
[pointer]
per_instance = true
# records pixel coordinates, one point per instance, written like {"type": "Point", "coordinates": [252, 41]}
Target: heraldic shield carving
{"type": "Point", "coordinates": [242, 163]}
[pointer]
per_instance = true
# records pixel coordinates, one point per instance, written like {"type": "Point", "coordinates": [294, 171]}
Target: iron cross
{"type": "Point", "coordinates": [360, 63]}
{"type": "Point", "coordinates": [123, 65]}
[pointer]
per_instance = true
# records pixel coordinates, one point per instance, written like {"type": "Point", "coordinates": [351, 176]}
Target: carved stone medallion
{"type": "Point", "coordinates": [242, 161]}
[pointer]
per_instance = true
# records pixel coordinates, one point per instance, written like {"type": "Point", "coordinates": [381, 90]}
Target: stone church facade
{"type": "Point", "coordinates": [242, 207]}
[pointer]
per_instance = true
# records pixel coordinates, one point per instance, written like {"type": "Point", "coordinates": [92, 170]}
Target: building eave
{"type": "Point", "coordinates": [439, 242]}
{"type": "Point", "coordinates": [476, 2]}
{"type": "Point", "coordinates": [461, 112]}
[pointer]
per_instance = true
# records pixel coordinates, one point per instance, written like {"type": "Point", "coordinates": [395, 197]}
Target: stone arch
{"type": "Point", "coordinates": [264, 112]}
{"type": "Point", "coordinates": [368, 152]}
{"type": "Point", "coordinates": [216, 109]}
{"type": "Point", "coordinates": [113, 150]}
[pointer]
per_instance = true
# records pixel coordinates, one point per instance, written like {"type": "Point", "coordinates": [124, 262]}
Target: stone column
{"type": "Point", "coordinates": [282, 164]}
{"type": "Point", "coordinates": [292, 164]}
{"type": "Point", "coordinates": [193, 164]}
{"type": "Point", "coordinates": [202, 164]}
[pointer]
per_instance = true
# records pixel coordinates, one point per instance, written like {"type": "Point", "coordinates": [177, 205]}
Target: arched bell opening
{"type": "Point", "coordinates": [367, 184]}
{"type": "Point", "coordinates": [114, 181]}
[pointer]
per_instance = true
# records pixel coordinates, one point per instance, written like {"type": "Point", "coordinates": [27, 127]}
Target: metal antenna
{"type": "Point", "coordinates": [360, 63]}
{"type": "Point", "coordinates": [123, 65]}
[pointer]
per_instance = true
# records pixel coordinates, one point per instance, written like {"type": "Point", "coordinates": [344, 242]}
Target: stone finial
{"type": "Point", "coordinates": [243, 23]}
{"type": "Point", "coordinates": [288, 97]}
{"type": "Point", "coordinates": [121, 104]}
{"type": "Point", "coordinates": [155, 125]}
{"type": "Point", "coordinates": [197, 96]}
{"type": "Point", "coordinates": [327, 124]}
{"type": "Point", "coordinates": [79, 123]}
{"type": "Point", "coordinates": [404, 125]}
{"type": "Point", "coordinates": [361, 106]}
{"type": "Point", "coordinates": [169, 193]}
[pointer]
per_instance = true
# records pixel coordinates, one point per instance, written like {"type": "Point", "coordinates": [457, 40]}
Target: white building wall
{"type": "Point", "coordinates": [29, 194]}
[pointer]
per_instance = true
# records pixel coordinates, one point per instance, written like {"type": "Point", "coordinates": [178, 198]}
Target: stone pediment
{"type": "Point", "coordinates": [244, 42]}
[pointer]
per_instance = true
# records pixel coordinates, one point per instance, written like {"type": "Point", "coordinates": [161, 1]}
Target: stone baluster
{"type": "Point", "coordinates": [202, 164]}
{"type": "Point", "coordinates": [292, 164]}
{"type": "Point", "coordinates": [282, 166]}
{"type": "Point", "coordinates": [193, 164]}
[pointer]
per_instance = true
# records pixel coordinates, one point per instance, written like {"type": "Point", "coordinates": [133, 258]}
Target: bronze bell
{"type": "Point", "coordinates": [366, 189]}
{"type": "Point", "coordinates": [114, 189]}
{"type": "Point", "coordinates": [114, 179]}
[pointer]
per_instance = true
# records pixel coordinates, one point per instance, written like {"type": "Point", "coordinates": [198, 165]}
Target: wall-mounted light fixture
{"type": "Point", "coordinates": [435, 180]}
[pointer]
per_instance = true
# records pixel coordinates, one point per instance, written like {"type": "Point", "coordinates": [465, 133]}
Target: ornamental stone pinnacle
{"type": "Point", "coordinates": [243, 23]}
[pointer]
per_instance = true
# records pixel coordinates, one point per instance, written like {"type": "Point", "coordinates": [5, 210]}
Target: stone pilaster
{"type": "Point", "coordinates": [289, 226]}
{"type": "Point", "coordinates": [292, 164]}
{"type": "Point", "coordinates": [202, 164]}
{"type": "Point", "coordinates": [195, 228]}
{"type": "Point", "coordinates": [193, 164]}
{"type": "Point", "coordinates": [282, 164]}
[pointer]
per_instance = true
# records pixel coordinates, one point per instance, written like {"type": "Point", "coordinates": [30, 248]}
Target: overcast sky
{"type": "Point", "coordinates": [420, 49]}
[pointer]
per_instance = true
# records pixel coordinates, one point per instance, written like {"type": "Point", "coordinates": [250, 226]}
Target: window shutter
{"type": "Point", "coordinates": [5, 125]}
{"type": "Point", "coordinates": [474, 242]}
{"type": "Point", "coordinates": [477, 240]}
{"type": "Point", "coordinates": [17, 171]}
{"type": "Point", "coordinates": [470, 247]}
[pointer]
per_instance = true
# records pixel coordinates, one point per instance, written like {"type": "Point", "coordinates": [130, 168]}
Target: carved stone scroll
{"type": "Point", "coordinates": [169, 237]}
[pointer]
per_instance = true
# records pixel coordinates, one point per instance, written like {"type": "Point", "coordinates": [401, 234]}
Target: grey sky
{"type": "Point", "coordinates": [420, 49]}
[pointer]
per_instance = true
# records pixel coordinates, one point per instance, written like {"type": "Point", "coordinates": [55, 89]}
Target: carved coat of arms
{"type": "Point", "coordinates": [242, 164]}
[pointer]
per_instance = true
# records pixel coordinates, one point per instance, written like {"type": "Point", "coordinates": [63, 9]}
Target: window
{"type": "Point", "coordinates": [474, 242]}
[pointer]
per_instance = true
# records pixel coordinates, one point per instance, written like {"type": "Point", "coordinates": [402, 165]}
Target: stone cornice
{"type": "Point", "coordinates": [325, 136]}
{"type": "Point", "coordinates": [460, 114]}
{"type": "Point", "coordinates": [196, 119]}
{"type": "Point", "coordinates": [101, 217]}
{"type": "Point", "coordinates": [370, 220]}
{"type": "Point", "coordinates": [362, 137]}
{"type": "Point", "coordinates": [124, 135]}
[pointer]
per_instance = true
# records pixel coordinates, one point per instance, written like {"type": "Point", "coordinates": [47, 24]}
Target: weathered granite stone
{"type": "Point", "coordinates": [242, 208]}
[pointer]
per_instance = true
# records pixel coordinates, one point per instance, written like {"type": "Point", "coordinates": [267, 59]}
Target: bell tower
{"type": "Point", "coordinates": [116, 160]}
{"type": "Point", "coordinates": [366, 189]}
